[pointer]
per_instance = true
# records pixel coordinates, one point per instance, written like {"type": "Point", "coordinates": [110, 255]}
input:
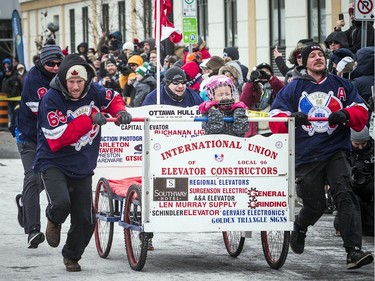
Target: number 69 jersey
{"type": "Point", "coordinates": [67, 139]}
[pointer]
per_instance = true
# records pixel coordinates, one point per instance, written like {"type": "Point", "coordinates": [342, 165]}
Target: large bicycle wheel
{"type": "Point", "coordinates": [275, 246]}
{"type": "Point", "coordinates": [135, 239]}
{"type": "Point", "coordinates": [103, 206]}
{"type": "Point", "coordinates": [234, 242]}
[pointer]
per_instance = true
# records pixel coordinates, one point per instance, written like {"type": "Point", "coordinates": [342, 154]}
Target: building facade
{"type": "Point", "coordinates": [254, 26]}
{"type": "Point", "coordinates": [6, 35]}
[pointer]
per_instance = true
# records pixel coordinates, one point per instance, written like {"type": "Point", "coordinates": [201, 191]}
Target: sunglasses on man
{"type": "Point", "coordinates": [52, 63]}
{"type": "Point", "coordinates": [178, 82]}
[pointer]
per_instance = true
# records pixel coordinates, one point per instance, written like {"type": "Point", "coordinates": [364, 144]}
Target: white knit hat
{"type": "Point", "coordinates": [77, 71]}
{"type": "Point", "coordinates": [128, 46]}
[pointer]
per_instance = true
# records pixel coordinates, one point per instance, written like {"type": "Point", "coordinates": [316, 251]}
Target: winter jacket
{"type": "Point", "coordinates": [354, 35]}
{"type": "Point", "coordinates": [319, 141]}
{"type": "Point", "coordinates": [143, 88]}
{"type": "Point", "coordinates": [35, 87]}
{"type": "Point", "coordinates": [363, 74]}
{"type": "Point", "coordinates": [67, 138]}
{"type": "Point", "coordinates": [252, 93]}
{"type": "Point", "coordinates": [191, 98]}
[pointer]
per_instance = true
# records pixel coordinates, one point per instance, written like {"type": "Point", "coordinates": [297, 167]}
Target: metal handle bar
{"type": "Point", "coordinates": [317, 118]}
{"type": "Point", "coordinates": [134, 119]}
{"type": "Point", "coordinates": [230, 119]}
{"type": "Point", "coordinates": [205, 119]}
{"type": "Point", "coordinates": [226, 119]}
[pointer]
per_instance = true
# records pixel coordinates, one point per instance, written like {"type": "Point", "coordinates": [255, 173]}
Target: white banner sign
{"type": "Point", "coordinates": [216, 183]}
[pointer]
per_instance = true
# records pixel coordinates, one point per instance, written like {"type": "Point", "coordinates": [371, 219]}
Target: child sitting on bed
{"type": "Point", "coordinates": [220, 89]}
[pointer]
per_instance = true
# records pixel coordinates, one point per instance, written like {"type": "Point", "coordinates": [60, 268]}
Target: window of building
{"type": "Point", "coordinates": [85, 24]}
{"type": "Point", "coordinates": [105, 18]}
{"type": "Point", "coordinates": [72, 30]}
{"type": "Point", "coordinates": [230, 15]}
{"type": "Point", "coordinates": [277, 29]}
{"type": "Point", "coordinates": [122, 19]}
{"type": "Point", "coordinates": [6, 35]}
{"type": "Point", "coordinates": [317, 20]}
{"type": "Point", "coordinates": [277, 22]}
{"type": "Point", "coordinates": [148, 18]}
{"type": "Point", "coordinates": [202, 16]}
{"type": "Point", "coordinates": [56, 33]}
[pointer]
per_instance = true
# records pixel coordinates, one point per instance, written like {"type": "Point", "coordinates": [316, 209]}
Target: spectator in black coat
{"type": "Point", "coordinates": [363, 74]}
{"type": "Point", "coordinates": [354, 32]}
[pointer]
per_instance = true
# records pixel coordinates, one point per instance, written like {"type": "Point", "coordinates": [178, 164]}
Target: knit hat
{"type": "Point", "coordinates": [265, 65]}
{"type": "Point", "coordinates": [136, 59]}
{"type": "Point", "coordinates": [179, 63]}
{"type": "Point", "coordinates": [231, 52]}
{"type": "Point", "coordinates": [20, 65]}
{"type": "Point", "coordinates": [175, 73]}
{"type": "Point", "coordinates": [141, 70]}
{"type": "Point", "coordinates": [362, 135]}
{"type": "Point", "coordinates": [109, 61]}
{"type": "Point", "coordinates": [128, 46]}
{"type": "Point", "coordinates": [195, 56]}
{"type": "Point", "coordinates": [308, 49]}
{"type": "Point", "coordinates": [7, 60]}
{"type": "Point", "coordinates": [217, 81]}
{"type": "Point", "coordinates": [341, 53]}
{"type": "Point", "coordinates": [77, 71]}
{"type": "Point", "coordinates": [193, 74]}
{"type": "Point", "coordinates": [50, 52]}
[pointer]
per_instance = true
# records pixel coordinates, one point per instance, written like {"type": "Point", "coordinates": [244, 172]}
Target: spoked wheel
{"type": "Point", "coordinates": [275, 247]}
{"type": "Point", "coordinates": [135, 240]}
{"type": "Point", "coordinates": [234, 242]}
{"type": "Point", "coordinates": [103, 206]}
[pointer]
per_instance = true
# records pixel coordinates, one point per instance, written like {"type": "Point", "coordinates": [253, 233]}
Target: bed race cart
{"type": "Point", "coordinates": [162, 174]}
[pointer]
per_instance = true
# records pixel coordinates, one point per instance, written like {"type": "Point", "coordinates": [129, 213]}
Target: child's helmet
{"type": "Point", "coordinates": [218, 81]}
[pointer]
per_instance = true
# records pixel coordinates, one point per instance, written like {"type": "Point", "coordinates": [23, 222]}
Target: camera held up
{"type": "Point", "coordinates": [259, 75]}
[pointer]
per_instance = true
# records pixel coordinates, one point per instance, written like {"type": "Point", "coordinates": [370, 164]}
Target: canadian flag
{"type": "Point", "coordinates": [167, 28]}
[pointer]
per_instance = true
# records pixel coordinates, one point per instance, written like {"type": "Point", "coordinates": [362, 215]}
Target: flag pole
{"type": "Point", "coordinates": [157, 42]}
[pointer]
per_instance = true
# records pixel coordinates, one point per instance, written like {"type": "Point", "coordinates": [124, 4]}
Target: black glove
{"type": "Point", "coordinates": [338, 118]}
{"type": "Point", "coordinates": [123, 117]}
{"type": "Point", "coordinates": [98, 118]}
{"type": "Point", "coordinates": [300, 118]}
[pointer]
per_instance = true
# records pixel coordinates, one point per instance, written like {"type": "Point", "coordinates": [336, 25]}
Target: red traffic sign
{"type": "Point", "coordinates": [364, 10]}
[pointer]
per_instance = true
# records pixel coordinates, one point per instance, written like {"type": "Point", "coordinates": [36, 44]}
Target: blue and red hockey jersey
{"type": "Point", "coordinates": [35, 87]}
{"type": "Point", "coordinates": [67, 139]}
{"type": "Point", "coordinates": [319, 141]}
